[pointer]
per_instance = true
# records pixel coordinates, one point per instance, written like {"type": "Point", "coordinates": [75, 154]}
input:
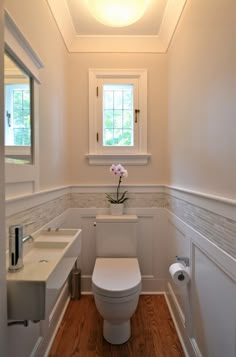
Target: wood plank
{"type": "Point", "coordinates": [153, 332]}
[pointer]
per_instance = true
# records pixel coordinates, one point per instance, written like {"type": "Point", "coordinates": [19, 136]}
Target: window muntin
{"type": "Point", "coordinates": [118, 103]}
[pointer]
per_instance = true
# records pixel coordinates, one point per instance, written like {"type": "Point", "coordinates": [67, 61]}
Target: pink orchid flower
{"type": "Point", "coordinates": [120, 171]}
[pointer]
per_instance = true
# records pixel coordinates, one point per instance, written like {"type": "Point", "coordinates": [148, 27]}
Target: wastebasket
{"type": "Point", "coordinates": [75, 283]}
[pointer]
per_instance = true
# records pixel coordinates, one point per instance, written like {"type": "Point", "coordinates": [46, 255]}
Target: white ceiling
{"type": "Point", "coordinates": [83, 33]}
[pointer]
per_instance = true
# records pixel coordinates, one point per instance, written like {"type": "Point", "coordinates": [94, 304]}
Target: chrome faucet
{"type": "Point", "coordinates": [15, 248]}
{"type": "Point", "coordinates": [16, 241]}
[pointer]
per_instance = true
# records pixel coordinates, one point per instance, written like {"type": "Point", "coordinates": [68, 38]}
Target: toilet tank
{"type": "Point", "coordinates": [116, 236]}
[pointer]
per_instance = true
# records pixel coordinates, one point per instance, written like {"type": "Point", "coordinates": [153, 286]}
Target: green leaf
{"type": "Point", "coordinates": [110, 199]}
{"type": "Point", "coordinates": [122, 201]}
{"type": "Point", "coordinates": [123, 195]}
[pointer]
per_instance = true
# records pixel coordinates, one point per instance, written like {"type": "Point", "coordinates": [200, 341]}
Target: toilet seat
{"type": "Point", "coordinates": [116, 277]}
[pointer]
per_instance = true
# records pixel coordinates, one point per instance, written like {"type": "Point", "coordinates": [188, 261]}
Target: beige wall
{"type": "Point", "coordinates": [191, 101]}
{"type": "Point", "coordinates": [201, 99]}
{"type": "Point", "coordinates": [80, 171]}
{"type": "Point", "coordinates": [61, 163]}
{"type": "Point", "coordinates": [36, 22]}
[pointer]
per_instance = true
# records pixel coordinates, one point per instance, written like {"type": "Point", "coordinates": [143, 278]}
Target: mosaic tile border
{"type": "Point", "coordinates": [34, 218]}
{"type": "Point", "coordinates": [218, 229]}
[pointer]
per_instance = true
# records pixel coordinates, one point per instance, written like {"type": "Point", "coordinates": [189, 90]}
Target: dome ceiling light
{"type": "Point", "coordinates": [117, 13]}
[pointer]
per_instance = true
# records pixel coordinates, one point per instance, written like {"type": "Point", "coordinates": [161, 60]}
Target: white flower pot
{"type": "Point", "coordinates": [117, 209]}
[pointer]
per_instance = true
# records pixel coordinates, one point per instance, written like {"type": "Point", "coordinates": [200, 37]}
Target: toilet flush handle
{"type": "Point", "coordinates": [94, 224]}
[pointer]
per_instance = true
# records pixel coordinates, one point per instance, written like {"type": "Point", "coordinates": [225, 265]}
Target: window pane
{"type": "Point", "coordinates": [108, 137]}
{"type": "Point", "coordinates": [118, 114]}
{"type": "Point", "coordinates": [17, 98]}
{"type": "Point", "coordinates": [22, 136]}
{"type": "Point", "coordinates": [118, 119]}
{"type": "Point", "coordinates": [26, 99]}
{"type": "Point", "coordinates": [18, 120]}
{"type": "Point", "coordinates": [117, 137]}
{"type": "Point", "coordinates": [118, 96]}
{"type": "Point", "coordinates": [128, 119]}
{"type": "Point", "coordinates": [128, 99]}
{"type": "Point", "coordinates": [108, 99]}
{"type": "Point", "coordinates": [127, 138]}
{"type": "Point", "coordinates": [21, 112]}
{"type": "Point", "coordinates": [26, 137]}
{"type": "Point", "coordinates": [17, 115]}
{"type": "Point", "coordinates": [108, 118]}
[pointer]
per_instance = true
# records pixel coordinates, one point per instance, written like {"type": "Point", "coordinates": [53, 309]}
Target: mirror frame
{"type": "Point", "coordinates": [23, 179]}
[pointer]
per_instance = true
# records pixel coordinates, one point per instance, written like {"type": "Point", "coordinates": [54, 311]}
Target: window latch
{"type": "Point", "coordinates": [8, 118]}
{"type": "Point", "coordinates": [136, 112]}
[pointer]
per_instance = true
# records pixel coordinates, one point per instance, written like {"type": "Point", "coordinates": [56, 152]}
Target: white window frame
{"type": "Point", "coordinates": [99, 156]}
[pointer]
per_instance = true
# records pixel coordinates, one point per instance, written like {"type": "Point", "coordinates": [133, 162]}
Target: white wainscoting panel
{"type": "Point", "coordinates": [152, 248]}
{"type": "Point", "coordinates": [151, 244]}
{"type": "Point", "coordinates": [205, 310]}
{"type": "Point", "coordinates": [179, 244]}
{"type": "Point", "coordinates": [213, 306]}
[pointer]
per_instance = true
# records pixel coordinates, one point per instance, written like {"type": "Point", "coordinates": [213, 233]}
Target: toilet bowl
{"type": "Point", "coordinates": [116, 285]}
{"type": "Point", "coordinates": [116, 279]}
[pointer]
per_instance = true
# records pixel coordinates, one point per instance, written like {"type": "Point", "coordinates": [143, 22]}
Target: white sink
{"type": "Point", "coordinates": [48, 260]}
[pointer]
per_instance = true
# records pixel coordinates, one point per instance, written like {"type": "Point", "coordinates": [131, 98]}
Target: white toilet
{"type": "Point", "coordinates": [116, 280]}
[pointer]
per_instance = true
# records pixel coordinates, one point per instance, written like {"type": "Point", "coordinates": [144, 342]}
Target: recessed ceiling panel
{"type": "Point", "coordinates": [86, 25]}
{"type": "Point", "coordinates": [81, 32]}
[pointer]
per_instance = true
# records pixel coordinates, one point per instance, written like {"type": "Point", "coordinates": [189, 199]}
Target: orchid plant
{"type": "Point", "coordinates": [121, 172]}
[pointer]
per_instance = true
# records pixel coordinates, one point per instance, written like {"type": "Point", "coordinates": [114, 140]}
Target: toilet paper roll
{"type": "Point", "coordinates": [179, 274]}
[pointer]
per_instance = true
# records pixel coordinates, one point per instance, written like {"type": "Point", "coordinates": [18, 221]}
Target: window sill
{"type": "Point", "coordinates": [126, 159]}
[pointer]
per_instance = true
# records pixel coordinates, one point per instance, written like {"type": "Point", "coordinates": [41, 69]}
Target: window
{"type": "Point", "coordinates": [18, 112]}
{"type": "Point", "coordinates": [17, 115]}
{"type": "Point", "coordinates": [118, 116]}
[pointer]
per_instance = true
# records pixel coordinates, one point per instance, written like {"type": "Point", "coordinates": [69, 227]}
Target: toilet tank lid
{"type": "Point", "coordinates": [123, 218]}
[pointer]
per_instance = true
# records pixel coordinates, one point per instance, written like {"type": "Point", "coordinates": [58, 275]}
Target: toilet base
{"type": "Point", "coordinates": [116, 334]}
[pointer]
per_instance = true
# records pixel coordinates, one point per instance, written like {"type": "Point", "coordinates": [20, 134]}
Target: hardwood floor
{"type": "Point", "coordinates": [153, 332]}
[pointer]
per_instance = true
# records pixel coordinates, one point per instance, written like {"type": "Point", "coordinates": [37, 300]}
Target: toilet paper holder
{"type": "Point", "coordinates": [184, 260]}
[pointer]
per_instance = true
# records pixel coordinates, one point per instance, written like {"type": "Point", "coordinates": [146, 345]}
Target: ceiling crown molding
{"type": "Point", "coordinates": [100, 43]}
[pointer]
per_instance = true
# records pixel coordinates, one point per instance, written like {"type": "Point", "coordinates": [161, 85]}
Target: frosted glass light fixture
{"type": "Point", "coordinates": [117, 13]}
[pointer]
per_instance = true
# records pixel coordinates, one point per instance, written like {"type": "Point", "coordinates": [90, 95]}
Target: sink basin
{"type": "Point", "coordinates": [48, 260]}
{"type": "Point", "coordinates": [45, 252]}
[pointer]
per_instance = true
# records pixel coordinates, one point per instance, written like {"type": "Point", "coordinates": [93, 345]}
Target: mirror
{"type": "Point", "coordinates": [18, 112]}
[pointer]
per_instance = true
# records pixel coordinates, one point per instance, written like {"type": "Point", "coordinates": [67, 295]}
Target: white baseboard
{"type": "Point", "coordinates": [177, 327]}
{"type": "Point", "coordinates": [56, 328]}
{"type": "Point", "coordinates": [195, 347]}
{"type": "Point", "coordinates": [177, 306]}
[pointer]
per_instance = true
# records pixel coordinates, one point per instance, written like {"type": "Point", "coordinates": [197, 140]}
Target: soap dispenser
{"type": "Point", "coordinates": [15, 248]}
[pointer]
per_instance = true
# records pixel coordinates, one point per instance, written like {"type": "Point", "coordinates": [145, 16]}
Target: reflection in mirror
{"type": "Point", "coordinates": [18, 113]}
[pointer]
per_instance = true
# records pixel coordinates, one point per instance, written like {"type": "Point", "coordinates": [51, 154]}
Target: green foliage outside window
{"type": "Point", "coordinates": [118, 115]}
{"type": "Point", "coordinates": [21, 117]}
